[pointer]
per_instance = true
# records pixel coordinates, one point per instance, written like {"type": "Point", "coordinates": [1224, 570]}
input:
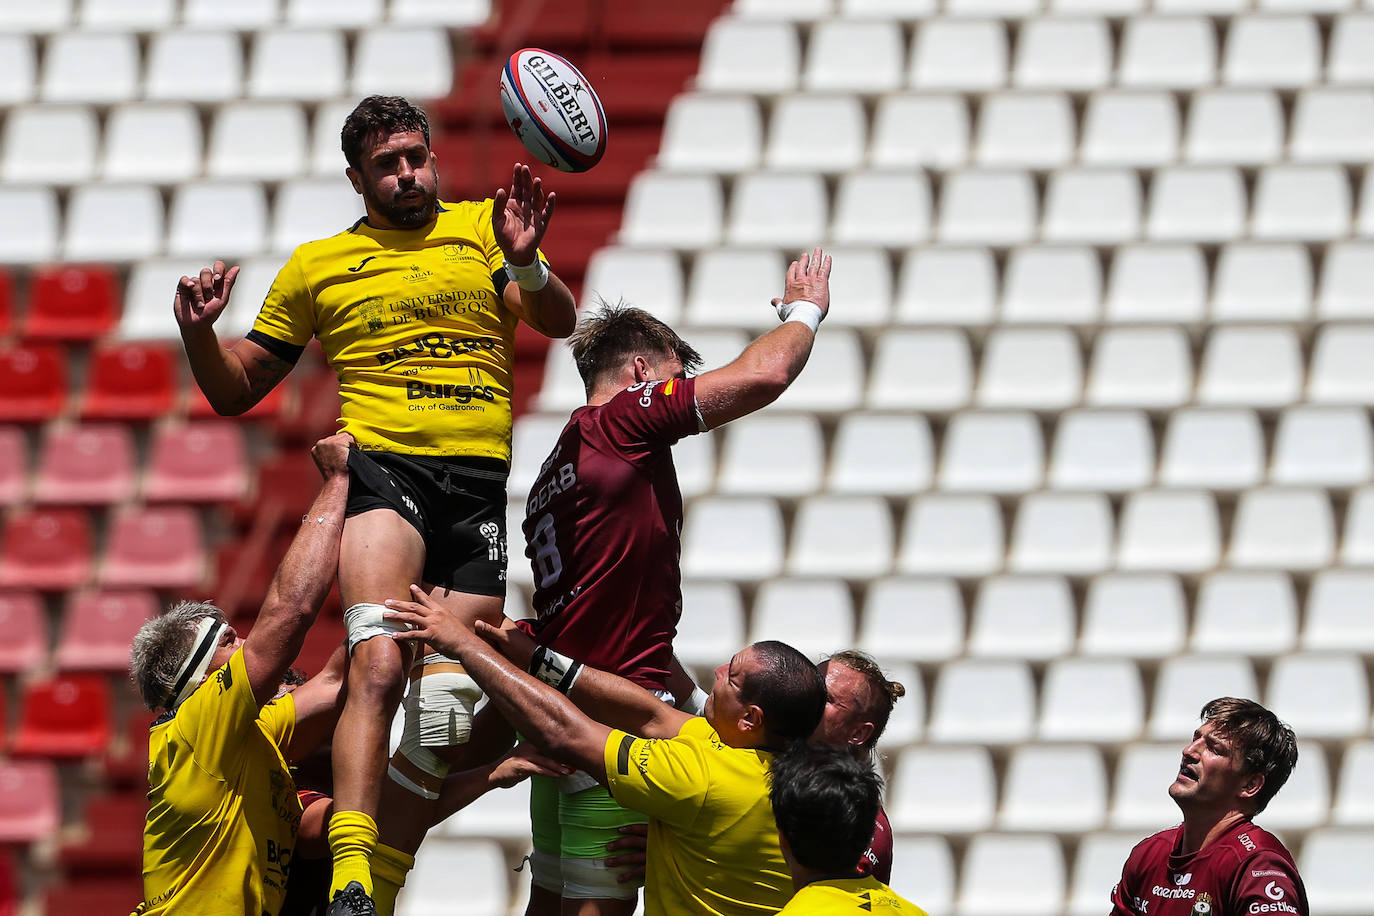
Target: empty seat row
{"type": "Point", "coordinates": [105, 66]}
{"type": "Point", "coordinates": [916, 10]}
{"type": "Point", "coordinates": [1069, 284]}
{"type": "Point", "coordinates": [1101, 206]}
{"type": "Point", "coordinates": [1031, 129]}
{"type": "Point", "coordinates": [156, 15]}
{"type": "Point", "coordinates": [96, 631]}
{"type": "Point", "coordinates": [1190, 51]}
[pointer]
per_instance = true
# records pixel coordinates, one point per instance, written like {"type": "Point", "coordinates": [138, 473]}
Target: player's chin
{"type": "Point", "coordinates": [412, 210]}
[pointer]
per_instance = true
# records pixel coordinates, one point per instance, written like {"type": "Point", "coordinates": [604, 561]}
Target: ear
{"type": "Point", "coordinates": [643, 372]}
{"type": "Point", "coordinates": [1252, 785]}
{"type": "Point", "coordinates": [751, 720]}
{"type": "Point", "coordinates": [355, 178]}
{"type": "Point", "coordinates": [859, 735]}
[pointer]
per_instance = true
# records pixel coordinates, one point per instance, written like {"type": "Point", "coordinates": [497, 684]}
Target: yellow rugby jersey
{"type": "Point", "coordinates": [223, 811]}
{"type": "Point", "coordinates": [713, 844]}
{"type": "Point", "coordinates": [413, 325]}
{"type": "Point", "coordinates": [849, 897]}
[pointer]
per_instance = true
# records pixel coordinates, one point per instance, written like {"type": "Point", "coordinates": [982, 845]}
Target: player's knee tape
{"type": "Point", "coordinates": [364, 621]}
{"type": "Point", "coordinates": [593, 879]}
{"type": "Point", "coordinates": [438, 714]}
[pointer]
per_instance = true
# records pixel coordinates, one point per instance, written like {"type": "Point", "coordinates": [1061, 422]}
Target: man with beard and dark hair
{"type": "Point", "coordinates": [416, 306]}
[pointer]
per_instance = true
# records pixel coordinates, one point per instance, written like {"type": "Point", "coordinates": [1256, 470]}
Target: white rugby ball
{"type": "Point", "coordinates": [553, 110]}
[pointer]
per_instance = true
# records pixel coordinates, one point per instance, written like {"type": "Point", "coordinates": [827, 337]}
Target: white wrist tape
{"type": "Point", "coordinates": [532, 277]}
{"type": "Point", "coordinates": [802, 311]}
{"type": "Point", "coordinates": [558, 671]}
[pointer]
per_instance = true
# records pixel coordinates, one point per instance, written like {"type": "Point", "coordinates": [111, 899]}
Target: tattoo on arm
{"type": "Point", "coordinates": [270, 371]}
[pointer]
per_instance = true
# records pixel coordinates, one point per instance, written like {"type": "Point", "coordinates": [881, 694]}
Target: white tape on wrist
{"type": "Point", "coordinates": [802, 311]}
{"type": "Point", "coordinates": [558, 671]}
{"type": "Point", "coordinates": [531, 277]}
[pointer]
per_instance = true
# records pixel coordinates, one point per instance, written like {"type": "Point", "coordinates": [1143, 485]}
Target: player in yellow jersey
{"type": "Point", "coordinates": [415, 306]}
{"type": "Point", "coordinates": [222, 806]}
{"type": "Point", "coordinates": [825, 801]}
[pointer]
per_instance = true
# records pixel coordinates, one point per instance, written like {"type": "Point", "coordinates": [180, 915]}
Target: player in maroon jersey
{"type": "Point", "coordinates": [860, 699]}
{"type": "Point", "coordinates": [603, 527]}
{"type": "Point", "coordinates": [1218, 862]}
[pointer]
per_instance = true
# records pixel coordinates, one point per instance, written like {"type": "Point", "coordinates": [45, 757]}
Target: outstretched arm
{"type": "Point", "coordinates": [520, 216]}
{"type": "Point", "coordinates": [464, 788]}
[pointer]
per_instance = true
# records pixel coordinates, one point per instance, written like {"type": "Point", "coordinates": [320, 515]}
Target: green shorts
{"type": "Point", "coordinates": [574, 830]}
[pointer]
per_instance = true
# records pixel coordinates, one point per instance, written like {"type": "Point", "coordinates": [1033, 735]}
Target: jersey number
{"type": "Point", "coordinates": [548, 565]}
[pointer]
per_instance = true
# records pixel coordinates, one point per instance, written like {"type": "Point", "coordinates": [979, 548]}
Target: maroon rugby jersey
{"type": "Point", "coordinates": [603, 531]}
{"type": "Point", "coordinates": [1246, 871]}
{"type": "Point", "coordinates": [877, 861]}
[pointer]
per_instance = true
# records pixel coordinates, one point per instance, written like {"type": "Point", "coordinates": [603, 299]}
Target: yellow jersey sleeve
{"type": "Point", "coordinates": [665, 779]}
{"type": "Point", "coordinates": [212, 721]}
{"type": "Point", "coordinates": [286, 321]}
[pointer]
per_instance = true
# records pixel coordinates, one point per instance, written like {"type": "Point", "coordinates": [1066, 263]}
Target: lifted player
{"type": "Point", "coordinates": [603, 526]}
{"type": "Point", "coordinates": [1218, 862]}
{"type": "Point", "coordinates": [415, 306]}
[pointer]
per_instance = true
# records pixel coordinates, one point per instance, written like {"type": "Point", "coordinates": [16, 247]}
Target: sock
{"type": "Point", "coordinates": [352, 837]}
{"type": "Point", "coordinates": [389, 869]}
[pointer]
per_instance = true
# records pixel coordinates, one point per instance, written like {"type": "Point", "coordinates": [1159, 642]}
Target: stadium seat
{"type": "Point", "coordinates": [918, 619]}
{"type": "Point", "coordinates": [98, 628]}
{"type": "Point", "coordinates": [1168, 531]}
{"type": "Point", "coordinates": [772, 454]}
{"type": "Point", "coordinates": [1022, 617]}
{"type": "Point", "coordinates": [14, 465]}
{"type": "Point", "coordinates": [1337, 601]}
{"type": "Point", "coordinates": [791, 10]}
{"type": "Point", "coordinates": [30, 803]}
{"type": "Point", "coordinates": [1305, 801]}
{"type": "Point", "coordinates": [65, 717]}
{"type": "Point", "coordinates": [1063, 53]}
{"type": "Point", "coordinates": [1234, 127]}
{"type": "Point", "coordinates": [35, 238]}
{"type": "Point", "coordinates": [26, 624]}
{"type": "Point", "coordinates": [218, 76]}
{"type": "Point", "coordinates": [648, 278]}
{"type": "Point", "coordinates": [945, 534]}
{"type": "Point", "coordinates": [1357, 543]}
{"type": "Point", "coordinates": [1334, 862]}
{"type": "Point", "coordinates": [129, 381]}
{"type": "Point", "coordinates": [1096, 869]}
{"type": "Point", "coordinates": [46, 549]}
{"type": "Point", "coordinates": [1347, 60]}
{"type": "Point", "coordinates": [996, 452]}
{"type": "Point", "coordinates": [495, 814]}
{"type": "Point", "coordinates": [733, 538]}
{"type": "Point", "coordinates": [1067, 533]}
{"type": "Point", "coordinates": [214, 219]}
{"type": "Point", "coordinates": [942, 790]}
{"type": "Point", "coordinates": [67, 155]}
{"type": "Point", "coordinates": [927, 872]}
{"type": "Point", "coordinates": [312, 208]}
{"type": "Point", "coordinates": [1354, 800]}
{"type": "Point", "coordinates": [993, 207]}
{"type": "Point", "coordinates": [1251, 612]}
{"type": "Point", "coordinates": [1167, 52]}
{"type": "Point", "coordinates": [1323, 446]}
{"type": "Point", "coordinates": [1262, 282]}
{"type": "Point", "coordinates": [675, 211]}
{"type": "Point", "coordinates": [1136, 615]}
{"type": "Point", "coordinates": [152, 142]}
{"type": "Point", "coordinates": [113, 223]}
{"type": "Point", "coordinates": [1054, 787]}
{"type": "Point", "coordinates": [731, 287]}
{"type": "Point", "coordinates": [834, 383]}
{"type": "Point", "coordinates": [1153, 283]}
{"type": "Point", "coordinates": [863, 284]}
{"type": "Point", "coordinates": [1140, 796]}
{"type": "Point", "coordinates": [97, 67]}
{"type": "Point", "coordinates": [714, 132]}
{"type": "Point", "coordinates": [959, 54]}
{"type": "Point", "coordinates": [1270, 50]}
{"type": "Point", "coordinates": [848, 55]}
{"type": "Point", "coordinates": [532, 440]}
{"type": "Point", "coordinates": [907, 723]}
{"type": "Point", "coordinates": [32, 383]}
{"type": "Point", "coordinates": [410, 60]}
{"type": "Point", "coordinates": [904, 220]}
{"type": "Point", "coordinates": [1333, 125]}
{"type": "Point", "coordinates": [947, 286]}
{"type": "Point", "coordinates": [990, 701]}
{"type": "Point", "coordinates": [1251, 367]}
{"type": "Point", "coordinates": [1346, 289]}
{"type": "Point", "coordinates": [1310, 202]}
{"type": "Point", "coordinates": [338, 13]}
{"type": "Point", "coordinates": [90, 465]}
{"type": "Point", "coordinates": [148, 16]}
{"type": "Point", "coordinates": [814, 615]}
{"type": "Point", "coordinates": [153, 548]}
{"type": "Point", "coordinates": [1012, 873]}
{"type": "Point", "coordinates": [561, 390]}
{"type": "Point", "coordinates": [441, 12]}
{"type": "Point", "coordinates": [849, 536]}
{"type": "Point", "coordinates": [18, 68]}
{"type": "Point", "coordinates": [1034, 368]}
{"type": "Point", "coordinates": [199, 462]}
{"type": "Point", "coordinates": [1341, 373]}
{"type": "Point", "coordinates": [695, 460]}
{"type": "Point", "coordinates": [1221, 449]}
{"type": "Point", "coordinates": [1196, 204]}
{"type": "Point", "coordinates": [27, 17]}
{"type": "Point", "coordinates": [1091, 699]}
{"type": "Point", "coordinates": [911, 130]}
{"type": "Point", "coordinates": [518, 570]}
{"type": "Point", "coordinates": [1283, 528]}
{"type": "Point", "coordinates": [429, 887]}
{"type": "Point", "coordinates": [1102, 450]}
{"type": "Point", "coordinates": [786, 210]}
{"type": "Point", "coordinates": [711, 628]}
{"type": "Point", "coordinates": [112, 839]}
{"type": "Point", "coordinates": [1323, 695]}
{"type": "Point", "coordinates": [887, 454]}
{"type": "Point", "coordinates": [236, 147]}
{"type": "Point", "coordinates": [741, 55]}
{"type": "Point", "coordinates": [1052, 285]}
{"type": "Point", "coordinates": [326, 156]}
{"type": "Point", "coordinates": [1185, 682]}
{"type": "Point", "coordinates": [1135, 129]}
{"type": "Point", "coordinates": [72, 304]}
{"type": "Point", "coordinates": [305, 65]}
{"type": "Point", "coordinates": [1029, 130]}
{"type": "Point", "coordinates": [1092, 206]}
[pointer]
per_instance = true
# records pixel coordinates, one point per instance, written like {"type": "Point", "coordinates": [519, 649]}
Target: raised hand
{"type": "Point", "coordinates": [808, 278]}
{"type": "Point", "coordinates": [199, 300]}
{"type": "Point", "coordinates": [521, 215]}
{"type": "Point", "coordinates": [331, 455]}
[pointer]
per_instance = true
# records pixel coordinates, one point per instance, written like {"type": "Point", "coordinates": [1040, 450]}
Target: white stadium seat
{"type": "Point", "coordinates": [947, 286]}
{"type": "Point", "coordinates": [237, 149]}
{"type": "Point", "coordinates": [1218, 449]}
{"type": "Point", "coordinates": [1157, 283]}
{"type": "Point", "coordinates": [1338, 601]}
{"type": "Point", "coordinates": [1130, 128]}
{"type": "Point", "coordinates": [1102, 450]}
{"type": "Point", "coordinates": [411, 60]}
{"type": "Point", "coordinates": [1099, 7]}
{"type": "Point", "coordinates": [241, 14]}
{"type": "Point", "coordinates": [718, 346]}
{"type": "Point", "coordinates": [714, 132]}
{"type": "Point", "coordinates": [1255, 612]}
{"type": "Point", "coordinates": [1333, 125]}
{"type": "Point", "coordinates": [112, 222]}
{"type": "Point", "coordinates": [1305, 801]}
{"type": "Point", "coordinates": [863, 282]}
{"type": "Point", "coordinates": [942, 790]}
{"type": "Point", "coordinates": [711, 628]}
{"type": "Point", "coordinates": [1323, 446]}
{"type": "Point", "coordinates": [326, 155]}
{"type": "Point", "coordinates": [519, 569]}
{"type": "Point", "coordinates": [1140, 798]}
{"type": "Point", "coordinates": [887, 9]}
{"type": "Point", "coordinates": [732, 287]}
{"type": "Point", "coordinates": [1341, 370]}
{"type": "Point", "coordinates": [927, 872]}
{"type": "Point", "coordinates": [695, 460]}
{"type": "Point", "coordinates": [1053, 285]}
{"type": "Point", "coordinates": [733, 538]}
{"type": "Point", "coordinates": [647, 278]}
{"type": "Point", "coordinates": [217, 76]}
{"type": "Point", "coordinates": [954, 54]}
{"type": "Point", "coordinates": [789, 210]}
{"type": "Point", "coordinates": [848, 536]}
{"type": "Point", "coordinates": [18, 68]}
{"type": "Point", "coordinates": [742, 55]}
{"type": "Point", "coordinates": [1354, 802]}
{"type": "Point", "coordinates": [675, 211]}
{"type": "Point", "coordinates": [337, 13]}
{"type": "Point", "coordinates": [1007, 8]}
{"type": "Point", "coordinates": [1012, 874]}
{"type": "Point", "coordinates": [994, 207]}
{"type": "Point", "coordinates": [255, 278]}
{"type": "Point", "coordinates": [920, 619]}
{"type": "Point", "coordinates": [34, 238]}
{"type": "Point", "coordinates": [147, 16]}
{"type": "Point", "coordinates": [1258, 281]}
{"type": "Point", "coordinates": [1357, 541]}
{"type": "Point", "coordinates": [846, 55]}
{"type": "Point", "coordinates": [988, 701]}
{"type": "Point", "coordinates": [814, 615]}
{"type": "Point", "coordinates": [1068, 533]}
{"type": "Point", "coordinates": [98, 67]}
{"type": "Point", "coordinates": [1348, 60]}
{"type": "Point", "coordinates": [1136, 615]}
{"type": "Point", "coordinates": [1251, 367]}
{"type": "Point", "coordinates": [146, 297]}
{"type": "Point", "coordinates": [834, 382]}
{"type": "Point", "coordinates": [1280, 51]}
{"type": "Point", "coordinates": [1168, 531]}
{"type": "Point", "coordinates": [1033, 130]}
{"type": "Point", "coordinates": [216, 219]}
{"type": "Point", "coordinates": [152, 142]}
{"type": "Point", "coordinates": [992, 451]}
{"type": "Point", "coordinates": [1091, 699]}
{"type": "Point", "coordinates": [1063, 53]}
{"type": "Point", "coordinates": [1346, 289]}
{"type": "Point", "coordinates": [798, 10]}
{"type": "Point", "coordinates": [1167, 52]}
{"type": "Point", "coordinates": [1321, 694]}
{"type": "Point", "coordinates": [957, 535]}
{"type": "Point", "coordinates": [1092, 206]}
{"type": "Point", "coordinates": [773, 454]}
{"type": "Point", "coordinates": [903, 220]}
{"type": "Point", "coordinates": [1196, 204]}
{"type": "Point", "coordinates": [1234, 127]}
{"type": "Point", "coordinates": [1054, 787]}
{"type": "Point", "coordinates": [429, 888]}
{"type": "Point", "coordinates": [532, 439]}
{"type": "Point", "coordinates": [1185, 682]}
{"type": "Point", "coordinates": [562, 389]}
{"type": "Point", "coordinates": [55, 143]}
{"type": "Point", "coordinates": [26, 16]}
{"type": "Point", "coordinates": [1309, 202]}
{"type": "Point", "coordinates": [1096, 869]}
{"type": "Point", "coordinates": [1140, 367]}
{"type": "Point", "coordinates": [911, 130]}
{"type": "Point", "coordinates": [889, 454]}
{"type": "Point", "coordinates": [1335, 864]}
{"type": "Point", "coordinates": [313, 208]}
{"type": "Point", "coordinates": [1022, 617]}
{"type": "Point", "coordinates": [451, 13]}
{"type": "Point", "coordinates": [1038, 368]}
{"type": "Point", "coordinates": [305, 64]}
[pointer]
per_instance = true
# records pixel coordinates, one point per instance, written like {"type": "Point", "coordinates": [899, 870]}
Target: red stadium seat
{"type": "Point", "coordinates": [244, 571]}
{"type": "Point", "coordinates": [638, 87]}
{"type": "Point", "coordinates": [67, 716]}
{"type": "Point", "coordinates": [154, 548]}
{"type": "Point", "coordinates": [316, 413]}
{"type": "Point", "coordinates": [113, 838]}
{"type": "Point", "coordinates": [25, 625]}
{"type": "Point", "coordinates": [33, 383]}
{"type": "Point", "coordinates": [47, 549]}
{"type": "Point", "coordinates": [14, 465]}
{"type": "Point", "coordinates": [30, 807]}
{"type": "Point", "coordinates": [87, 465]}
{"type": "Point", "coordinates": [101, 895]}
{"type": "Point", "coordinates": [99, 627]}
{"type": "Point", "coordinates": [9, 885]}
{"type": "Point", "coordinates": [6, 302]}
{"type": "Point", "coordinates": [72, 303]}
{"type": "Point", "coordinates": [126, 762]}
{"type": "Point", "coordinates": [130, 381]}
{"type": "Point", "coordinates": [643, 23]}
{"type": "Point", "coordinates": [326, 634]}
{"type": "Point", "coordinates": [473, 100]}
{"type": "Point", "coordinates": [538, 24]}
{"type": "Point", "coordinates": [200, 461]}
{"type": "Point", "coordinates": [629, 152]}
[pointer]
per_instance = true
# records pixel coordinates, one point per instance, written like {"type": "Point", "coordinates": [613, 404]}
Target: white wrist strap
{"type": "Point", "coordinates": [802, 311]}
{"type": "Point", "coordinates": [532, 277]}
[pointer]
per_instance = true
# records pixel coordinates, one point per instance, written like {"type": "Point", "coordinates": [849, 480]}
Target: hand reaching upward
{"type": "Point", "coordinates": [521, 215]}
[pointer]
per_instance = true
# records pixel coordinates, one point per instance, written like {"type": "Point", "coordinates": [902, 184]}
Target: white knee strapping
{"type": "Point", "coordinates": [364, 621]}
{"type": "Point", "coordinates": [592, 879]}
{"type": "Point", "coordinates": [546, 871]}
{"type": "Point", "coordinates": [438, 713]}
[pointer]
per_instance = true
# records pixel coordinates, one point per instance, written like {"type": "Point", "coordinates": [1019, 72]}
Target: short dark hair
{"type": "Point", "coordinates": [882, 693]}
{"type": "Point", "coordinates": [825, 802]}
{"type": "Point", "coordinates": [613, 333]}
{"type": "Point", "coordinates": [1267, 745]}
{"type": "Point", "coordinates": [379, 116]}
{"type": "Point", "coordinates": [788, 688]}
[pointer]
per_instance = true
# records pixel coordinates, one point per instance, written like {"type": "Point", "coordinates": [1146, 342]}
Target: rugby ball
{"type": "Point", "coordinates": [553, 110]}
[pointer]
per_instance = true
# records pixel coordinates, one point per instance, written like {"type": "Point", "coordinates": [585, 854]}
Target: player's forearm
{"type": "Point", "coordinates": [308, 569]}
{"type": "Point", "coordinates": [757, 377]}
{"type": "Point", "coordinates": [551, 311]}
{"type": "Point", "coordinates": [462, 789]}
{"type": "Point", "coordinates": [218, 371]}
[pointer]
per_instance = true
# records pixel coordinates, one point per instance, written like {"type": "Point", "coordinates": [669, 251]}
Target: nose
{"type": "Point", "coordinates": [404, 172]}
{"type": "Point", "coordinates": [720, 671]}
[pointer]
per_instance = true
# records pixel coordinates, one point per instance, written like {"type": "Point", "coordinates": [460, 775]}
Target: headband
{"type": "Point", "coordinates": [192, 671]}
